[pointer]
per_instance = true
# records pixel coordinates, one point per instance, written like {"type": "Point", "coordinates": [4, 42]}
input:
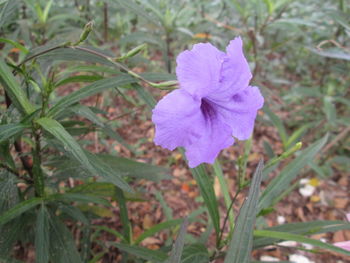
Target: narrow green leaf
{"type": "Point", "coordinates": [89, 161]}
{"type": "Point", "coordinates": [75, 213]}
{"type": "Point", "coordinates": [42, 236]}
{"type": "Point", "coordinates": [277, 122]}
{"type": "Point", "coordinates": [13, 90]}
{"type": "Point", "coordinates": [332, 53]}
{"type": "Point", "coordinates": [74, 197]}
{"type": "Point", "coordinates": [124, 215]}
{"type": "Point", "coordinates": [19, 209]}
{"type": "Point", "coordinates": [15, 44]}
{"type": "Point", "coordinates": [224, 188]}
{"type": "Point", "coordinates": [153, 255]}
{"type": "Point", "coordinates": [301, 239]}
{"type": "Point", "coordinates": [304, 228]}
{"type": "Point", "coordinates": [195, 253]}
{"type": "Point", "coordinates": [57, 130]}
{"type": "Point", "coordinates": [89, 90]}
{"type": "Point", "coordinates": [10, 130]}
{"type": "Point", "coordinates": [283, 180]}
{"type": "Point", "coordinates": [242, 239]}
{"type": "Point", "coordinates": [137, 9]}
{"type": "Point", "coordinates": [62, 244]}
{"type": "Point", "coordinates": [111, 231]}
{"type": "Point", "coordinates": [99, 189]}
{"type": "Point", "coordinates": [207, 192]}
{"type": "Point", "coordinates": [135, 169]}
{"type": "Point", "coordinates": [145, 95]}
{"type": "Point", "coordinates": [107, 173]}
{"type": "Point", "coordinates": [78, 78]}
{"type": "Point", "coordinates": [157, 228]}
{"type": "Point", "coordinates": [59, 53]}
{"type": "Point", "coordinates": [8, 8]}
{"type": "Point", "coordinates": [176, 252]}
{"type": "Point", "coordinates": [87, 113]}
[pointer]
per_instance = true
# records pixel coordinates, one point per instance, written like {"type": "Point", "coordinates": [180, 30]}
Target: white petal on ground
{"type": "Point", "coordinates": [288, 243]}
{"type": "Point", "coordinates": [269, 258]}
{"type": "Point", "coordinates": [307, 190]}
{"type": "Point", "coordinates": [281, 220]}
{"type": "Point", "coordinates": [307, 246]}
{"type": "Point", "coordinates": [304, 181]}
{"type": "Point", "coordinates": [299, 259]}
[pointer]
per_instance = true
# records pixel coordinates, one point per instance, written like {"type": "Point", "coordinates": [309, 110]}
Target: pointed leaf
{"type": "Point", "coordinates": [62, 244]}
{"type": "Point", "coordinates": [19, 209]}
{"type": "Point", "coordinates": [155, 256]}
{"type": "Point", "coordinates": [88, 91]}
{"type": "Point", "coordinates": [281, 182]}
{"type": "Point", "coordinates": [176, 252]}
{"type": "Point", "coordinates": [242, 239]}
{"type": "Point", "coordinates": [70, 144]}
{"type": "Point", "coordinates": [207, 192]}
{"type": "Point", "coordinates": [301, 239]}
{"type": "Point", "coordinates": [42, 237]}
{"type": "Point", "coordinates": [9, 130]}
{"type": "Point", "coordinates": [13, 90]}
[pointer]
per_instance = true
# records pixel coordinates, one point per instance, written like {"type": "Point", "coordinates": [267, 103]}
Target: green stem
{"type": "Point", "coordinates": [124, 215]}
{"type": "Point", "coordinates": [225, 192]}
{"type": "Point", "coordinates": [243, 160]}
{"type": "Point", "coordinates": [39, 183]}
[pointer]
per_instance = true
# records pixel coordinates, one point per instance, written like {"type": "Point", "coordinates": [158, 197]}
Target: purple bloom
{"type": "Point", "coordinates": [213, 104]}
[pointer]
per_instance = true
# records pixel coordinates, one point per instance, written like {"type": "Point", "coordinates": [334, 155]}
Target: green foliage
{"type": "Point", "coordinates": [242, 240]}
{"type": "Point", "coordinates": [53, 64]}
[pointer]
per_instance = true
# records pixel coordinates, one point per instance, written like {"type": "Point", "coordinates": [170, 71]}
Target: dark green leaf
{"type": "Point", "coordinates": [88, 91]}
{"type": "Point", "coordinates": [242, 239]}
{"type": "Point", "coordinates": [301, 239]}
{"type": "Point", "coordinates": [13, 90]}
{"type": "Point", "coordinates": [19, 209]}
{"type": "Point", "coordinates": [132, 168]}
{"type": "Point", "coordinates": [79, 78]}
{"type": "Point", "coordinates": [207, 192]}
{"type": "Point", "coordinates": [153, 255]}
{"type": "Point", "coordinates": [176, 252]}
{"type": "Point", "coordinates": [8, 8]}
{"type": "Point", "coordinates": [42, 236]}
{"type": "Point", "coordinates": [157, 228]}
{"type": "Point", "coordinates": [74, 197]}
{"type": "Point", "coordinates": [281, 182]}
{"type": "Point", "coordinates": [195, 253]}
{"type": "Point", "coordinates": [62, 244]}
{"type": "Point", "coordinates": [304, 228]}
{"type": "Point", "coordinates": [71, 145]}
{"type": "Point", "coordinates": [10, 130]}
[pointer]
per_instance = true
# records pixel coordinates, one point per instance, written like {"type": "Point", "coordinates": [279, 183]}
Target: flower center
{"type": "Point", "coordinates": [207, 110]}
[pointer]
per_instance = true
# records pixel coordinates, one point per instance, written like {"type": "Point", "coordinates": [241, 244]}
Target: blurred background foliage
{"type": "Point", "coordinates": [299, 54]}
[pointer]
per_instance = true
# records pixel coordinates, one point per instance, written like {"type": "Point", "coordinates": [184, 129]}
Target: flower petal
{"type": "Point", "coordinates": [176, 117]}
{"type": "Point", "coordinates": [235, 72]}
{"type": "Point", "coordinates": [216, 135]}
{"type": "Point", "coordinates": [198, 70]}
{"type": "Point", "coordinates": [240, 111]}
{"type": "Point", "coordinates": [344, 245]}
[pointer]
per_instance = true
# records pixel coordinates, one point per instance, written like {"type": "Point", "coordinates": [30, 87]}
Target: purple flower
{"type": "Point", "coordinates": [213, 104]}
